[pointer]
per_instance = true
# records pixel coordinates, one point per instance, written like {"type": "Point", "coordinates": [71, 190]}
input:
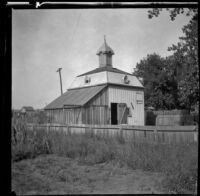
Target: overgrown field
{"type": "Point", "coordinates": [178, 162]}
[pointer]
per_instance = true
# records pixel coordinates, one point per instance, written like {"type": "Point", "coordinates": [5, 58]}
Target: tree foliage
{"type": "Point", "coordinates": [186, 52]}
{"type": "Point", "coordinates": [173, 82]}
{"type": "Point", "coordinates": [173, 12]}
{"type": "Point", "coordinates": [160, 85]}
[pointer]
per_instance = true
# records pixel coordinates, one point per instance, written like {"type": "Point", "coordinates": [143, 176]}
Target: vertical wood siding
{"type": "Point", "coordinates": [96, 110]}
{"type": "Point", "coordinates": [128, 96]}
{"type": "Point", "coordinates": [66, 115]}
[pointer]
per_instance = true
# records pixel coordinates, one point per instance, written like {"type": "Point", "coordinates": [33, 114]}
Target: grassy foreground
{"type": "Point", "coordinates": [178, 162]}
{"type": "Point", "coordinates": [54, 174]}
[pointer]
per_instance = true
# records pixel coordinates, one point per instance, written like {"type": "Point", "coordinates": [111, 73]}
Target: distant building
{"type": "Point", "coordinates": [105, 95]}
{"type": "Point", "coordinates": [27, 109]}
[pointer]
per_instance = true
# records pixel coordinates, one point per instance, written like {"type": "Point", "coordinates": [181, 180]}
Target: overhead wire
{"type": "Point", "coordinates": [74, 31]}
{"type": "Point", "coordinates": [76, 26]}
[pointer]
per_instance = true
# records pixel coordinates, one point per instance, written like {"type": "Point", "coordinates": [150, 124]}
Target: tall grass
{"type": "Point", "coordinates": [178, 161]}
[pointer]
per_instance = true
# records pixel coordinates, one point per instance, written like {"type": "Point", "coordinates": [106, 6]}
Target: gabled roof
{"type": "Point", "coordinates": [106, 68]}
{"type": "Point", "coordinates": [75, 97]}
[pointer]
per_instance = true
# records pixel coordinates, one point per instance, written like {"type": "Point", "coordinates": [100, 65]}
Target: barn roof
{"type": "Point", "coordinates": [75, 97]}
{"type": "Point", "coordinates": [106, 68]}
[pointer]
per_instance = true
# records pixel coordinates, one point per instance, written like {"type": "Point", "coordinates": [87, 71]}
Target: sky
{"type": "Point", "coordinates": [44, 40]}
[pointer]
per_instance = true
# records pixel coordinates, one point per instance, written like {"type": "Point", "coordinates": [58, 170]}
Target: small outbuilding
{"type": "Point", "coordinates": [27, 109]}
{"type": "Point", "coordinates": [105, 95]}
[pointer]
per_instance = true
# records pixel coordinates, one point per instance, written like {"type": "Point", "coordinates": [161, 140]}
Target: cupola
{"type": "Point", "coordinates": [105, 55]}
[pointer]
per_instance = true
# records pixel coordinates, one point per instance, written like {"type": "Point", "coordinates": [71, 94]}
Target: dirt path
{"type": "Point", "coordinates": [51, 174]}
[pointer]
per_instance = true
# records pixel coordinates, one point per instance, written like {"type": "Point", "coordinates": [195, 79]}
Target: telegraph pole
{"type": "Point", "coordinates": [59, 70]}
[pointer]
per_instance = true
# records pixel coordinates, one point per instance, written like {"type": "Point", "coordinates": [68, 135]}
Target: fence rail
{"type": "Point", "coordinates": [162, 134]}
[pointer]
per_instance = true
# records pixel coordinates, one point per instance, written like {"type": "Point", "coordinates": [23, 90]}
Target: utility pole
{"type": "Point", "coordinates": [59, 70]}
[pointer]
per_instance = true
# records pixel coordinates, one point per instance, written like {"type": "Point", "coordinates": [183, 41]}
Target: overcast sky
{"type": "Point", "coordinates": [43, 40]}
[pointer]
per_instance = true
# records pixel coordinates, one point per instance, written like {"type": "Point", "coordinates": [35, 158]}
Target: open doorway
{"type": "Point", "coordinates": [114, 113]}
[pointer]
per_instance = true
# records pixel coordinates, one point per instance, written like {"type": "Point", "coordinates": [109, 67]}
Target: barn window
{"type": "Point", "coordinates": [87, 79]}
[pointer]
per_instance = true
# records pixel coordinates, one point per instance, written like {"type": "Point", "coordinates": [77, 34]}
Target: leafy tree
{"type": "Point", "coordinates": [186, 51]}
{"type": "Point", "coordinates": [173, 12]}
{"type": "Point", "coordinates": [185, 58]}
{"type": "Point", "coordinates": [158, 79]}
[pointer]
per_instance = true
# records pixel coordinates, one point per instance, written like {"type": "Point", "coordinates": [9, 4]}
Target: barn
{"type": "Point", "coordinates": [105, 95]}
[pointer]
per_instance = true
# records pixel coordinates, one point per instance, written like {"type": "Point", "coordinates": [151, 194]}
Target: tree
{"type": "Point", "coordinates": [158, 80]}
{"type": "Point", "coordinates": [185, 57]}
{"type": "Point", "coordinates": [173, 12]}
{"type": "Point", "coordinates": [187, 52]}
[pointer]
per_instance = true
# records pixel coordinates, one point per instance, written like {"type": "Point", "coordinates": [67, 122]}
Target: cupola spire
{"type": "Point", "coordinates": [104, 39]}
{"type": "Point", "coordinates": [105, 54]}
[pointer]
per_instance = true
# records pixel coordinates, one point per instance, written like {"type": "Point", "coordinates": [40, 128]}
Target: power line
{"type": "Point", "coordinates": [74, 31]}
{"type": "Point", "coordinates": [76, 26]}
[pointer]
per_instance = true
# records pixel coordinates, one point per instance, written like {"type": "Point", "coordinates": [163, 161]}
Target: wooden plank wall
{"type": "Point", "coordinates": [100, 99]}
{"type": "Point", "coordinates": [152, 134]}
{"type": "Point", "coordinates": [55, 115]}
{"type": "Point", "coordinates": [72, 115]}
{"type": "Point", "coordinates": [96, 110]}
{"type": "Point", "coordinates": [66, 115]}
{"type": "Point", "coordinates": [95, 114]}
{"type": "Point", "coordinates": [174, 119]}
{"type": "Point", "coordinates": [126, 95]}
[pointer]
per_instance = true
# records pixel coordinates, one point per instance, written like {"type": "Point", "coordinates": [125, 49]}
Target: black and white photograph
{"type": "Point", "coordinates": [105, 100]}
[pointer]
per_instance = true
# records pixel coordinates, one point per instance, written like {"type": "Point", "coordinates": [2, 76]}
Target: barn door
{"type": "Point", "coordinates": [114, 113]}
{"type": "Point", "coordinates": [122, 112]}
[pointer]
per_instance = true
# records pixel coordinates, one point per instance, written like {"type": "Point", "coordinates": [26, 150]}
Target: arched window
{"type": "Point", "coordinates": [87, 79]}
{"type": "Point", "coordinates": [126, 80]}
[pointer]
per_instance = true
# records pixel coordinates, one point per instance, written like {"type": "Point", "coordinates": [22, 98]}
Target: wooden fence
{"type": "Point", "coordinates": [158, 134]}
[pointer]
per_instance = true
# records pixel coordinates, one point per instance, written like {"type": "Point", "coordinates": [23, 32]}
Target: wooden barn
{"type": "Point", "coordinates": [105, 95]}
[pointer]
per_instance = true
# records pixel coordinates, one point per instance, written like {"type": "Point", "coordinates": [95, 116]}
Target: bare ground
{"type": "Point", "coordinates": [51, 174]}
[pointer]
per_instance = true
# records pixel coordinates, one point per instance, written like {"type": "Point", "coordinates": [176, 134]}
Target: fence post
{"type": "Point", "coordinates": [196, 188]}
{"type": "Point", "coordinates": [155, 135]}
{"type": "Point", "coordinates": [90, 131]}
{"type": "Point", "coordinates": [68, 130]}
{"type": "Point", "coordinates": [121, 135]}
{"type": "Point", "coordinates": [47, 128]}
{"type": "Point", "coordinates": [196, 134]}
{"type": "Point", "coordinates": [63, 128]}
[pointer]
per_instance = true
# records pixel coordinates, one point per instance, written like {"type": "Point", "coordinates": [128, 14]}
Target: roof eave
{"type": "Point", "coordinates": [97, 70]}
{"type": "Point", "coordinates": [108, 83]}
